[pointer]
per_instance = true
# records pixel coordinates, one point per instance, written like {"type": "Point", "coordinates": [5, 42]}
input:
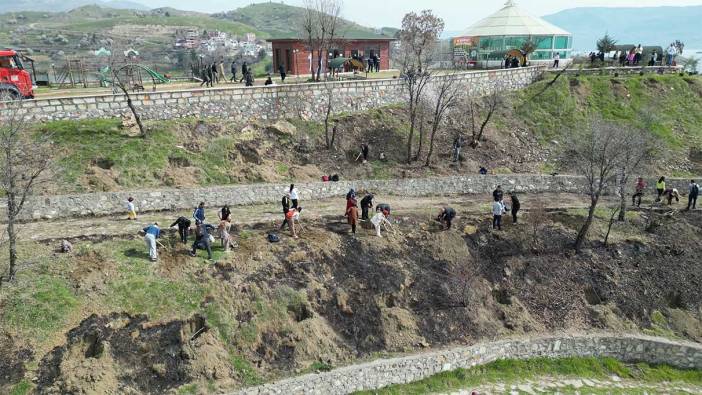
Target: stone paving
{"type": "Point", "coordinates": [569, 385]}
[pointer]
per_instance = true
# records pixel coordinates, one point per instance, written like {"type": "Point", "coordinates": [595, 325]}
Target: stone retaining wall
{"type": "Point", "coordinates": [262, 102]}
{"type": "Point", "coordinates": [110, 203]}
{"type": "Point", "coordinates": [384, 372]}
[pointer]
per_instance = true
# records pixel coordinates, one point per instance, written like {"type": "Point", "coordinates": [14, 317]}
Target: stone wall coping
{"type": "Point", "coordinates": [271, 88]}
{"type": "Point", "coordinates": [405, 369]}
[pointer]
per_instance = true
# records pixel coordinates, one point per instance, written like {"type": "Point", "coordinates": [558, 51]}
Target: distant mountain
{"type": "Point", "coordinates": [64, 5]}
{"type": "Point", "coordinates": [281, 20]}
{"type": "Point", "coordinates": [631, 25]}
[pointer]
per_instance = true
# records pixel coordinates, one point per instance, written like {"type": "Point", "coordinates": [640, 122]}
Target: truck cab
{"type": "Point", "coordinates": [15, 81]}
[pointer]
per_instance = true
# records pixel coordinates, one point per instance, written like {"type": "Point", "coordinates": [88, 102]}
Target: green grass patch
{"type": "Point", "coordinates": [40, 305]}
{"type": "Point", "coordinates": [246, 372]}
{"type": "Point", "coordinates": [188, 389]}
{"type": "Point", "coordinates": [511, 370]}
{"type": "Point", "coordinates": [21, 388]}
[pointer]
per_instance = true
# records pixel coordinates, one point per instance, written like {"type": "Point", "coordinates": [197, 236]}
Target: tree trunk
{"type": "Point", "coordinates": [411, 134]}
{"type": "Point", "coordinates": [11, 233]}
{"type": "Point", "coordinates": [582, 234]}
{"type": "Point", "coordinates": [421, 136]}
{"type": "Point", "coordinates": [622, 198]}
{"type": "Point", "coordinates": [609, 226]}
{"type": "Point", "coordinates": [330, 141]}
{"type": "Point", "coordinates": [431, 143]}
{"type": "Point", "coordinates": [137, 118]}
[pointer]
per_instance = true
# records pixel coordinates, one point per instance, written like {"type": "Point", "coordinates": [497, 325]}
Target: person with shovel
{"type": "Point", "coordinates": [380, 218]}
{"type": "Point", "coordinates": [446, 215]}
{"type": "Point", "coordinates": [151, 233]}
{"type": "Point", "coordinates": [203, 239]}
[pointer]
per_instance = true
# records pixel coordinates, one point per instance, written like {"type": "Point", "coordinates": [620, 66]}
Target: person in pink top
{"type": "Point", "coordinates": [639, 191]}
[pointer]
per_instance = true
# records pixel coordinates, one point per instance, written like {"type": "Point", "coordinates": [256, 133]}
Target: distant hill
{"type": "Point", "coordinates": [630, 25]}
{"type": "Point", "coordinates": [65, 5]}
{"type": "Point", "coordinates": [281, 20]}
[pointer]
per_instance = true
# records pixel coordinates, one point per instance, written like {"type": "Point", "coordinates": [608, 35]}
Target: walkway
{"type": "Point", "coordinates": [118, 226]}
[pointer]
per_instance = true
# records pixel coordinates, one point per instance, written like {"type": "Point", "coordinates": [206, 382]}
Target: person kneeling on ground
{"type": "Point", "coordinates": [202, 239]}
{"type": "Point", "coordinates": [379, 219]}
{"type": "Point", "coordinates": [183, 228]}
{"type": "Point", "coordinates": [152, 232]}
{"type": "Point", "coordinates": [446, 215]}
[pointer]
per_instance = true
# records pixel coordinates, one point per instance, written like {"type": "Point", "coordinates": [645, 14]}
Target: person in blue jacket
{"type": "Point", "coordinates": [199, 213]}
{"type": "Point", "coordinates": [152, 232]}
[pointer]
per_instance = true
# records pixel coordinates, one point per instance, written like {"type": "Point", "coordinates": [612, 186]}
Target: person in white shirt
{"type": "Point", "coordinates": [672, 51]}
{"type": "Point", "coordinates": [131, 209]}
{"type": "Point", "coordinates": [294, 196]}
{"type": "Point", "coordinates": [379, 219]}
{"type": "Point", "coordinates": [498, 208]}
{"type": "Point", "coordinates": [556, 60]}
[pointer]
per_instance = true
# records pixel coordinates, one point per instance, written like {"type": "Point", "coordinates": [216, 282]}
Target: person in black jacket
{"type": "Point", "coordinates": [281, 70]}
{"type": "Point", "coordinates": [446, 215]}
{"type": "Point", "coordinates": [286, 207]}
{"type": "Point", "coordinates": [233, 69]}
{"type": "Point", "coordinates": [366, 204]}
{"type": "Point", "coordinates": [497, 194]}
{"type": "Point", "coordinates": [183, 227]}
{"type": "Point", "coordinates": [244, 71]}
{"type": "Point", "coordinates": [515, 206]}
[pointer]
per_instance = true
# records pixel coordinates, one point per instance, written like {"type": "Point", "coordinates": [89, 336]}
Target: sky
{"type": "Point", "coordinates": [458, 14]}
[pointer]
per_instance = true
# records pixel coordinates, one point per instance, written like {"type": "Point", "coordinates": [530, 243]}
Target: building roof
{"type": "Point", "coordinates": [357, 35]}
{"type": "Point", "coordinates": [512, 21]}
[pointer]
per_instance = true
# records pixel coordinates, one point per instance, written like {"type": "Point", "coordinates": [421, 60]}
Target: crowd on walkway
{"type": "Point", "coordinates": [635, 56]}
{"type": "Point", "coordinates": [358, 212]}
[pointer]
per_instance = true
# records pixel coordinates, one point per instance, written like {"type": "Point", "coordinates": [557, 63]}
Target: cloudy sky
{"type": "Point", "coordinates": [458, 14]}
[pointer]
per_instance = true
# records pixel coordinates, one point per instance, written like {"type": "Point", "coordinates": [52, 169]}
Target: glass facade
{"type": "Point", "coordinates": [493, 47]}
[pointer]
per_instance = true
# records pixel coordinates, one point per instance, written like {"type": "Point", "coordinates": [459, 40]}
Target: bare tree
{"type": "Point", "coordinates": [445, 93]}
{"type": "Point", "coordinates": [418, 37]}
{"type": "Point", "coordinates": [477, 113]}
{"type": "Point", "coordinates": [537, 219]}
{"type": "Point", "coordinates": [613, 213]}
{"type": "Point", "coordinates": [597, 154]}
{"type": "Point", "coordinates": [24, 160]}
{"type": "Point", "coordinates": [329, 137]}
{"type": "Point", "coordinates": [320, 27]}
{"type": "Point", "coordinates": [635, 154]}
{"type": "Point", "coordinates": [121, 81]}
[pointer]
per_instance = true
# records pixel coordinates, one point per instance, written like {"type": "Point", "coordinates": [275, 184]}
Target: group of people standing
{"type": "Point", "coordinates": [663, 191]}
{"type": "Point", "coordinates": [213, 73]}
{"type": "Point", "coordinates": [499, 207]}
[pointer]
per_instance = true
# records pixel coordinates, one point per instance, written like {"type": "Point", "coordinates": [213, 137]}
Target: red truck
{"type": "Point", "coordinates": [15, 81]}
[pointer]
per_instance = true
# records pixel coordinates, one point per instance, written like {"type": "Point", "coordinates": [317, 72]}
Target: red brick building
{"type": "Point", "coordinates": [294, 54]}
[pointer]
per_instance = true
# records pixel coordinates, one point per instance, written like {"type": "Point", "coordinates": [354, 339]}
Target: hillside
{"type": "Point", "coordinates": [59, 6]}
{"type": "Point", "coordinates": [631, 25]}
{"type": "Point", "coordinates": [526, 136]}
{"type": "Point", "coordinates": [281, 20]}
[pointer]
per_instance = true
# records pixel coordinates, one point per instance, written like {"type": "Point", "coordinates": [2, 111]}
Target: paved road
{"type": "Point", "coordinates": [98, 227]}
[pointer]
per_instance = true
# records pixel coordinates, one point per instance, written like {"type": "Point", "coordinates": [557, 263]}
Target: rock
{"type": "Point", "coordinates": [283, 128]}
{"type": "Point", "coordinates": [342, 300]}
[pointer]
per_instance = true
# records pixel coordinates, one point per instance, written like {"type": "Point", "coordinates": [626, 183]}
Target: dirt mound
{"type": "Point", "coordinates": [128, 354]}
{"type": "Point", "coordinates": [12, 360]}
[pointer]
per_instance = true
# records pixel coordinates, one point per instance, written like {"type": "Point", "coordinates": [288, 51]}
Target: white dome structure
{"type": "Point", "coordinates": [507, 30]}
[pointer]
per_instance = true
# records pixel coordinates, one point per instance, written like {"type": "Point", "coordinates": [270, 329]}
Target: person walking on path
{"type": "Point", "coordinates": [638, 192]}
{"type": "Point", "coordinates": [446, 216]}
{"type": "Point", "coordinates": [281, 70]}
{"type": "Point", "coordinates": [215, 74]}
{"type": "Point", "coordinates": [131, 209]}
{"type": "Point", "coordinates": [233, 70]}
{"type": "Point", "coordinates": [692, 193]}
{"type": "Point", "coordinates": [294, 196]}
{"type": "Point", "coordinates": [516, 205]}
{"type": "Point", "coordinates": [498, 208]}
{"type": "Point", "coordinates": [199, 213]}
{"type": "Point", "coordinates": [151, 233]}
{"type": "Point", "coordinates": [366, 204]}
{"type": "Point", "coordinates": [244, 71]}
{"type": "Point", "coordinates": [202, 239]}
{"type": "Point", "coordinates": [220, 70]}
{"type": "Point", "coordinates": [285, 202]}
{"type": "Point", "coordinates": [183, 228]}
{"type": "Point", "coordinates": [380, 218]}
{"type": "Point", "coordinates": [556, 60]}
{"type": "Point", "coordinates": [205, 75]}
{"type": "Point", "coordinates": [660, 188]}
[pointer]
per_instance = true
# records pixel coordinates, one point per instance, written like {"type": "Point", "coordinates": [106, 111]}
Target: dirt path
{"type": "Point", "coordinates": [571, 385]}
{"type": "Point", "coordinates": [115, 227]}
